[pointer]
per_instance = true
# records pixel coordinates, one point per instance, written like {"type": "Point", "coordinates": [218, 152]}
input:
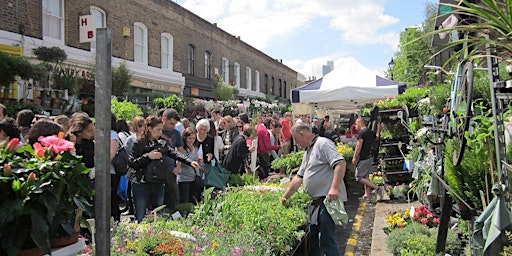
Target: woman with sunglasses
{"type": "Point", "coordinates": [229, 135]}
{"type": "Point", "coordinates": [150, 147]}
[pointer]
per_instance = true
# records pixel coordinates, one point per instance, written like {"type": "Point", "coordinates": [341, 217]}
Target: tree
{"type": "Point", "coordinates": [413, 53]}
{"type": "Point", "coordinates": [121, 80]}
{"type": "Point", "coordinates": [223, 91]}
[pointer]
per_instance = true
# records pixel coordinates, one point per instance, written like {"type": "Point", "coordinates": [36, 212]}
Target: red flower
{"type": "Point", "coordinates": [13, 143]}
{"type": "Point", "coordinates": [436, 221]}
{"type": "Point", "coordinates": [397, 184]}
{"type": "Point", "coordinates": [7, 169]}
{"type": "Point", "coordinates": [32, 176]}
{"type": "Point", "coordinates": [38, 150]}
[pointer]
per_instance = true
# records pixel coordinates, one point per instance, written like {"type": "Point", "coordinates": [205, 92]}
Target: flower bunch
{"type": "Point", "coordinates": [345, 150]}
{"type": "Point", "coordinates": [398, 191]}
{"type": "Point", "coordinates": [425, 217]}
{"type": "Point", "coordinates": [377, 178]}
{"type": "Point", "coordinates": [41, 186]}
{"type": "Point", "coordinates": [397, 219]}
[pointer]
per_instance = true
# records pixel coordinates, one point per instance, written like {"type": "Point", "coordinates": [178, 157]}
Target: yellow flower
{"type": "Point", "coordinates": [215, 245]}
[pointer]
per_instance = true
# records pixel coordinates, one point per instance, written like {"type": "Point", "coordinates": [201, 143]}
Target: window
{"type": "Point", "coordinates": [286, 91]}
{"type": "Point", "coordinates": [207, 65]}
{"type": "Point", "coordinates": [225, 70]}
{"type": "Point", "coordinates": [256, 85]}
{"type": "Point", "coordinates": [166, 51]}
{"type": "Point", "coordinates": [280, 88]}
{"type": "Point", "coordinates": [236, 70]}
{"type": "Point", "coordinates": [190, 58]}
{"type": "Point", "coordinates": [271, 87]}
{"type": "Point", "coordinates": [53, 19]}
{"type": "Point", "coordinates": [248, 78]}
{"type": "Point", "coordinates": [100, 21]}
{"type": "Point", "coordinates": [140, 41]}
{"type": "Point", "coordinates": [265, 81]}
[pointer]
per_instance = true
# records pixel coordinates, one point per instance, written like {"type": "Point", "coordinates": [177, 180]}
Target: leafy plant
{"type": "Point", "coordinates": [125, 109]}
{"type": "Point", "coordinates": [121, 79]}
{"type": "Point", "coordinates": [222, 90]}
{"type": "Point", "coordinates": [288, 162]}
{"type": "Point", "coordinates": [241, 221]}
{"type": "Point", "coordinates": [173, 101]}
{"type": "Point", "coordinates": [41, 187]}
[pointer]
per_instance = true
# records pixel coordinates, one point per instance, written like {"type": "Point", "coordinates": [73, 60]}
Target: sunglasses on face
{"type": "Point", "coordinates": [239, 126]}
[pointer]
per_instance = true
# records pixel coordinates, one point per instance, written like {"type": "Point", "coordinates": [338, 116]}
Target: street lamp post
{"type": "Point", "coordinates": [391, 66]}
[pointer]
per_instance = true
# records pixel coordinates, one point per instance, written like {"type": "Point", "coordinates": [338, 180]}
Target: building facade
{"type": "Point", "coordinates": [168, 48]}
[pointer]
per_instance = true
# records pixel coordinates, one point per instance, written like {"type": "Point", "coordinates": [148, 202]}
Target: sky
{"type": "Point", "coordinates": [306, 34]}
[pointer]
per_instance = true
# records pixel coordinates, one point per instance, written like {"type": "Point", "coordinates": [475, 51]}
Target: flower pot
{"type": "Point", "coordinates": [56, 103]}
{"type": "Point", "coordinates": [55, 243]}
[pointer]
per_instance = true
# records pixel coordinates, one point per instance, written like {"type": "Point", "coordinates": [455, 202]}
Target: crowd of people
{"type": "Point", "coordinates": [185, 147]}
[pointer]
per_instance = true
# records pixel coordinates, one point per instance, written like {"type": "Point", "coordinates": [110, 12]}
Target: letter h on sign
{"type": "Point", "coordinates": [87, 28]}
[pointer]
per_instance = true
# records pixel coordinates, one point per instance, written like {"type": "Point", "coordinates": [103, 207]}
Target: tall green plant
{"type": "Point", "coordinates": [224, 91]}
{"type": "Point", "coordinates": [125, 109]}
{"type": "Point", "coordinates": [121, 79]}
{"type": "Point", "coordinates": [173, 101]}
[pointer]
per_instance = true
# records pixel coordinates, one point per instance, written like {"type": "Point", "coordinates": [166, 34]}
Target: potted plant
{"type": "Point", "coordinates": [41, 188]}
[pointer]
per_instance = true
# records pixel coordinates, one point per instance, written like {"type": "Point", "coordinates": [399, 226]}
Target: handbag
{"type": "Point", "coordinates": [120, 161]}
{"type": "Point", "coordinates": [157, 171]}
{"type": "Point", "coordinates": [216, 176]}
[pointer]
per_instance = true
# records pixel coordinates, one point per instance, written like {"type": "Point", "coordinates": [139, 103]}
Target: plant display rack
{"type": "Point", "coordinates": [392, 135]}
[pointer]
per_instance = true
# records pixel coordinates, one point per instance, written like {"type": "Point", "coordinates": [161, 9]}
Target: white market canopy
{"type": "Point", "coordinates": [347, 88]}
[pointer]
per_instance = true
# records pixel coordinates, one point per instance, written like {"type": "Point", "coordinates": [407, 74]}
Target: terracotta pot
{"type": "Point", "coordinates": [56, 103]}
{"type": "Point", "coordinates": [55, 243]}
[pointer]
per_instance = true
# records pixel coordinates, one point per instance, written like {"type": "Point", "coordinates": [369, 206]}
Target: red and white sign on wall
{"type": "Point", "coordinates": [87, 28]}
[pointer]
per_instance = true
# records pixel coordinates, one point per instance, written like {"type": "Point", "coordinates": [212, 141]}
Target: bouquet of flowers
{"type": "Point", "coordinates": [41, 187]}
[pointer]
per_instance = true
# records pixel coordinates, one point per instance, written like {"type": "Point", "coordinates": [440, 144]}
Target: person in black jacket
{"type": "Point", "coordinates": [234, 160]}
{"type": "Point", "coordinates": [149, 148]}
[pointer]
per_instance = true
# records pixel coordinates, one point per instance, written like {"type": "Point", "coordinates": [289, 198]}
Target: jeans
{"type": "Point", "coordinates": [171, 193]}
{"type": "Point", "coordinates": [323, 236]}
{"type": "Point", "coordinates": [146, 195]}
{"type": "Point", "coordinates": [188, 192]}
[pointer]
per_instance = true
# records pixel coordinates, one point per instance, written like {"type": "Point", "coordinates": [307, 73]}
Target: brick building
{"type": "Point", "coordinates": [168, 48]}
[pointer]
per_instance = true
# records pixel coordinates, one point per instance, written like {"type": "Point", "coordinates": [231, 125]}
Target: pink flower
{"type": "Point", "coordinates": [38, 149]}
{"type": "Point", "coordinates": [31, 176]}
{"type": "Point", "coordinates": [424, 221]}
{"type": "Point", "coordinates": [12, 144]}
{"type": "Point", "coordinates": [7, 169]}
{"type": "Point", "coordinates": [57, 144]}
{"type": "Point", "coordinates": [436, 221]}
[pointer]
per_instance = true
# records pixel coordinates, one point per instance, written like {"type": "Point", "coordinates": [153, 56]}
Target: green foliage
{"type": "Point", "coordinates": [121, 79]}
{"type": "Point", "coordinates": [173, 101]}
{"type": "Point", "coordinates": [396, 239]}
{"type": "Point", "coordinates": [53, 54]}
{"type": "Point", "coordinates": [250, 221]}
{"type": "Point", "coordinates": [13, 107]}
{"type": "Point", "coordinates": [67, 77]}
{"type": "Point", "coordinates": [417, 239]}
{"type": "Point", "coordinates": [235, 180]}
{"type": "Point", "coordinates": [412, 55]}
{"type": "Point", "coordinates": [288, 162]}
{"type": "Point", "coordinates": [125, 109]}
{"type": "Point", "coordinates": [223, 91]}
{"type": "Point", "coordinates": [12, 66]}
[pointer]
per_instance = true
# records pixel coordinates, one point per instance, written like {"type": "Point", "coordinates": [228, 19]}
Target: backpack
{"type": "Point", "coordinates": [121, 159]}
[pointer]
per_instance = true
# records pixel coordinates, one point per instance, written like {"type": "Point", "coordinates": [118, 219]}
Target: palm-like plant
{"type": "Point", "coordinates": [488, 21]}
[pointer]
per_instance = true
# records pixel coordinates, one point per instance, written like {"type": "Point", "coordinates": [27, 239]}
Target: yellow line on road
{"type": "Point", "coordinates": [354, 235]}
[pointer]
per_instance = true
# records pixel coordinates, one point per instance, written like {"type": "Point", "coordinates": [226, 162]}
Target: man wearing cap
{"type": "Point", "coordinates": [322, 171]}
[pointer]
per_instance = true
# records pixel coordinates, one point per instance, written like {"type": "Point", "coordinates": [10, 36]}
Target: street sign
{"type": "Point", "coordinates": [87, 28]}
